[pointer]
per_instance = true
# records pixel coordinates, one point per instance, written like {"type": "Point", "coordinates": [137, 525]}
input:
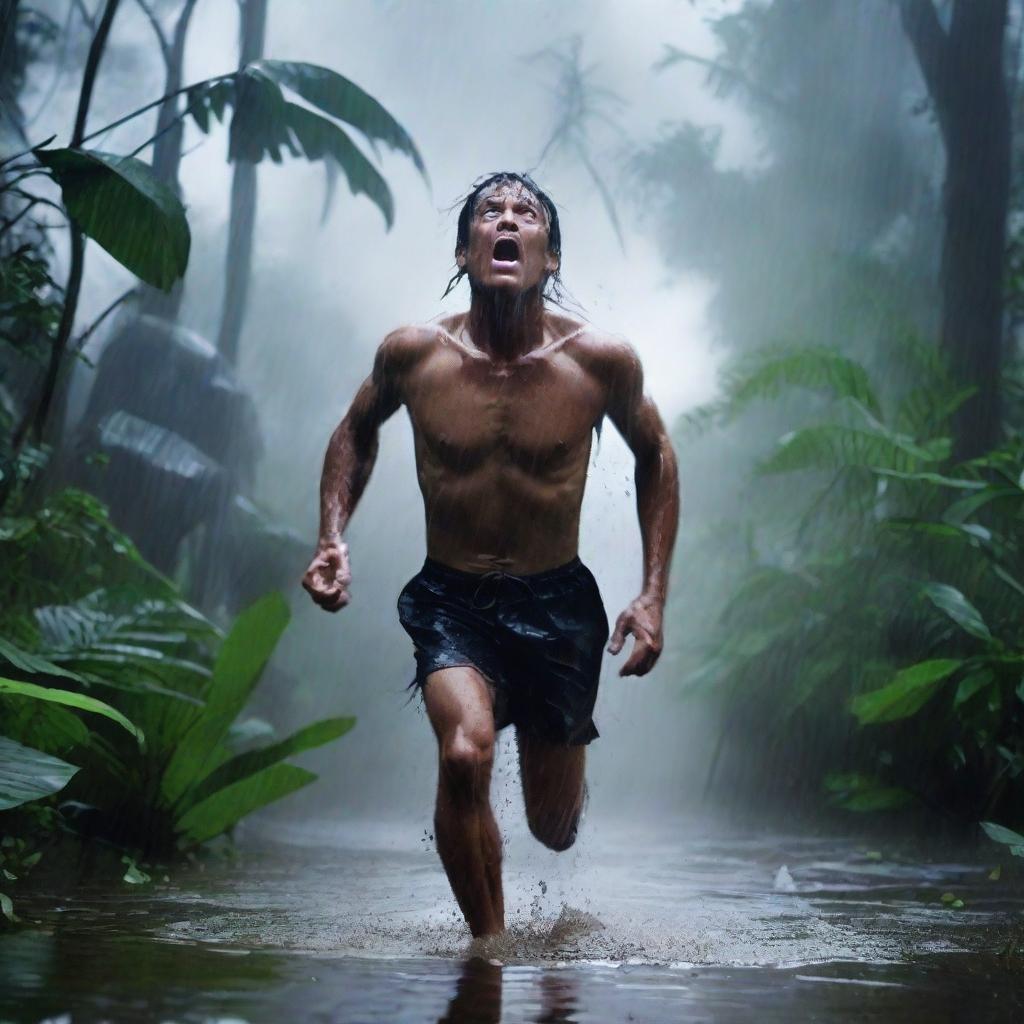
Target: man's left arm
{"type": "Point", "coordinates": [657, 501]}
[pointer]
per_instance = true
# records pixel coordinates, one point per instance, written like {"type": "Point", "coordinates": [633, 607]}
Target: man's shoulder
{"type": "Point", "coordinates": [596, 350]}
{"type": "Point", "coordinates": [407, 345]}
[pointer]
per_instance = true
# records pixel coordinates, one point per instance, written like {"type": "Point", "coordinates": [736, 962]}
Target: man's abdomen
{"type": "Point", "coordinates": [500, 517]}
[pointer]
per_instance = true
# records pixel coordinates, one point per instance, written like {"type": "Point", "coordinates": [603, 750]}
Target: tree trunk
{"type": "Point", "coordinates": [55, 365]}
{"type": "Point", "coordinates": [170, 131]}
{"type": "Point", "coordinates": [963, 69]}
{"type": "Point", "coordinates": [242, 226]}
{"type": "Point", "coordinates": [8, 18]}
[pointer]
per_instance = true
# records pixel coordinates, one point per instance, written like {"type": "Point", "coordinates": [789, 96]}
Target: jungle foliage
{"type": "Point", "coordinates": [121, 705]}
{"type": "Point", "coordinates": [877, 639]}
{"type": "Point", "coordinates": [859, 623]}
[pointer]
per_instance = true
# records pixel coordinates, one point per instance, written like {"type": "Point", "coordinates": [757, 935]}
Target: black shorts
{"type": "Point", "coordinates": [537, 639]}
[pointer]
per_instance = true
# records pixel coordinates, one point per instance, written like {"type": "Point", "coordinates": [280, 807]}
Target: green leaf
{"type": "Point", "coordinates": [1009, 580]}
{"type": "Point", "coordinates": [951, 601]}
{"type": "Point", "coordinates": [909, 691]}
{"type": "Point", "coordinates": [134, 875]}
{"type": "Point", "coordinates": [767, 374]}
{"type": "Point", "coordinates": [835, 446]}
{"type": "Point", "coordinates": [117, 201]}
{"type": "Point", "coordinates": [71, 700]}
{"type": "Point", "coordinates": [241, 659]}
{"type": "Point", "coordinates": [341, 98]}
{"type": "Point", "coordinates": [1006, 836]}
{"type": "Point", "coordinates": [319, 139]}
{"type": "Point", "coordinates": [958, 483]}
{"type": "Point", "coordinates": [27, 774]}
{"type": "Point", "coordinates": [968, 505]}
{"type": "Point", "coordinates": [7, 908]}
{"type": "Point", "coordinates": [253, 761]}
{"type": "Point", "coordinates": [42, 724]}
{"type": "Point", "coordinates": [258, 128]}
{"type": "Point", "coordinates": [227, 806]}
{"type": "Point", "coordinates": [32, 663]}
{"type": "Point", "coordinates": [857, 792]}
{"type": "Point", "coordinates": [908, 524]}
{"type": "Point", "coordinates": [970, 685]}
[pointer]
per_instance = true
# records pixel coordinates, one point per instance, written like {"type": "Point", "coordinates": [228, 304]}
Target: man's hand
{"type": "Point", "coordinates": [642, 619]}
{"type": "Point", "coordinates": [328, 576]}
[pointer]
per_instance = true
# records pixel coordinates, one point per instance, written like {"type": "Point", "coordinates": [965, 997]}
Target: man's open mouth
{"type": "Point", "coordinates": [506, 250]}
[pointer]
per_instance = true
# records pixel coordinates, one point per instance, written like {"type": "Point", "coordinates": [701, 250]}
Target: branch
{"type": "Point", "coordinates": [80, 341]}
{"type": "Point", "coordinates": [673, 55]}
{"type": "Point", "coordinates": [25, 152]}
{"type": "Point", "coordinates": [37, 419]}
{"type": "Point", "coordinates": [161, 38]}
{"type": "Point", "coordinates": [87, 18]}
{"type": "Point", "coordinates": [156, 103]}
{"type": "Point", "coordinates": [92, 64]}
{"type": "Point", "coordinates": [28, 196]}
{"type": "Point", "coordinates": [930, 42]}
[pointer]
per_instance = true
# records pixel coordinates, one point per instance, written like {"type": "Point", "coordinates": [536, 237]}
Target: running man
{"type": "Point", "coordinates": [507, 622]}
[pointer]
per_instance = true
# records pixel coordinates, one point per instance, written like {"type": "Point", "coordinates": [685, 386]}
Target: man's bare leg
{"type": "Point", "coordinates": [460, 707]}
{"type": "Point", "coordinates": [553, 789]}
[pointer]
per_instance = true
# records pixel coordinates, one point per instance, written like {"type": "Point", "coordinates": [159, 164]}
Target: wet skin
{"type": "Point", "coordinates": [503, 400]}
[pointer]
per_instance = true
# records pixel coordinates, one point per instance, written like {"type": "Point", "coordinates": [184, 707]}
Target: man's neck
{"type": "Point", "coordinates": [506, 326]}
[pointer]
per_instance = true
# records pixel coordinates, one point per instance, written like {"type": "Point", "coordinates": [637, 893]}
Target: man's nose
{"type": "Point", "coordinates": [507, 220]}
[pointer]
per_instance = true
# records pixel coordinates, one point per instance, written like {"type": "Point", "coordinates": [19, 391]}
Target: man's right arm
{"type": "Point", "coordinates": [351, 453]}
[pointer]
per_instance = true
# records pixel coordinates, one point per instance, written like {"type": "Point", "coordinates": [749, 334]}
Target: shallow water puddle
{"type": "Point", "coordinates": [358, 925]}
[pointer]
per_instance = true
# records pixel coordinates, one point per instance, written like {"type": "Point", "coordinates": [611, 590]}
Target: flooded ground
{"type": "Point", "coordinates": [667, 924]}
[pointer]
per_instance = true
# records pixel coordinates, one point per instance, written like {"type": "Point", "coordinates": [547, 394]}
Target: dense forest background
{"type": "Point", "coordinates": [815, 199]}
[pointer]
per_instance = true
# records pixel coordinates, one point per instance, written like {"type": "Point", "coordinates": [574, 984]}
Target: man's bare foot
{"type": "Point", "coordinates": [494, 948]}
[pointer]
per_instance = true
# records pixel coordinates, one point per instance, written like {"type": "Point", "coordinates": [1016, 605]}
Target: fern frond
{"type": "Point", "coordinates": [835, 446]}
{"type": "Point", "coordinates": [817, 368]}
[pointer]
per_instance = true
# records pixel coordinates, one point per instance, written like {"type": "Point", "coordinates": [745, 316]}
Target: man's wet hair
{"type": "Point", "coordinates": [552, 287]}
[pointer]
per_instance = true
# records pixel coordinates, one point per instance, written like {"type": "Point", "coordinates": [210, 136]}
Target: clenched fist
{"type": "Point", "coordinates": [328, 576]}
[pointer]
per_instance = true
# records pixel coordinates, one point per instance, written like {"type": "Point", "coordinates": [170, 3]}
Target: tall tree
{"type": "Point", "coordinates": [170, 129]}
{"type": "Point", "coordinates": [242, 225]}
{"type": "Point", "coordinates": [963, 69]}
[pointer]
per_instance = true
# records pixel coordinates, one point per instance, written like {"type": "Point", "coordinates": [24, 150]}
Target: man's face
{"type": "Point", "coordinates": [508, 240]}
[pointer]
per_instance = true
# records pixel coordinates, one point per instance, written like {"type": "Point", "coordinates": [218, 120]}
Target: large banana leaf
{"type": "Point", "coordinates": [320, 139]}
{"type": "Point", "coordinates": [227, 806]}
{"type": "Point", "coordinates": [27, 774]}
{"type": "Point", "coordinates": [343, 99]}
{"type": "Point", "coordinates": [117, 201]}
{"type": "Point", "coordinates": [253, 761]}
{"type": "Point", "coordinates": [241, 659]}
{"type": "Point", "coordinates": [266, 124]}
{"type": "Point", "coordinates": [71, 700]}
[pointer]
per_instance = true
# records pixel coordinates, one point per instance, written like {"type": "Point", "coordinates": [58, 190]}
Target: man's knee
{"type": "Point", "coordinates": [466, 761]}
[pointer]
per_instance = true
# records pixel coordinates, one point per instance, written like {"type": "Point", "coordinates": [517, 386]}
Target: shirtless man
{"type": "Point", "coordinates": [507, 623]}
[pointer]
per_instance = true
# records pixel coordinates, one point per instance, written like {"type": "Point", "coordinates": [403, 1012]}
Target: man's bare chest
{"type": "Point", "coordinates": [537, 414]}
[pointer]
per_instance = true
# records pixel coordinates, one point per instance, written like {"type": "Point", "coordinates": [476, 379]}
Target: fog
{"type": "Point", "coordinates": [460, 79]}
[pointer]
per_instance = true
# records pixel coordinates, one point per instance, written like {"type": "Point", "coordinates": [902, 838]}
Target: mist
{"type": "Point", "coordinates": [325, 294]}
{"type": "Point", "coordinates": [806, 218]}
